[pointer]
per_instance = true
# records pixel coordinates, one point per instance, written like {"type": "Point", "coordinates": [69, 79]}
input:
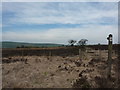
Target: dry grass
{"type": "Point", "coordinates": [58, 71]}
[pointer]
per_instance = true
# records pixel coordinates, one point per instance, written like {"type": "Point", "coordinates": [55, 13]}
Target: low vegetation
{"type": "Point", "coordinates": [58, 70]}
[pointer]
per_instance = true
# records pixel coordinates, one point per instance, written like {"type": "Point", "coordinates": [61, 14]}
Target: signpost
{"type": "Point", "coordinates": [109, 55]}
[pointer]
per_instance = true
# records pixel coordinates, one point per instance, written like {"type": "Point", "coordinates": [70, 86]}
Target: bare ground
{"type": "Point", "coordinates": [58, 71]}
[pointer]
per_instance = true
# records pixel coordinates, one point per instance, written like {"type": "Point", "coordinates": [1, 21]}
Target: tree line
{"type": "Point", "coordinates": [80, 42]}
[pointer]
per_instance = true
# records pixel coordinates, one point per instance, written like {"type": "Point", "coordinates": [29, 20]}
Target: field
{"type": "Point", "coordinates": [6, 44]}
{"type": "Point", "coordinates": [58, 68]}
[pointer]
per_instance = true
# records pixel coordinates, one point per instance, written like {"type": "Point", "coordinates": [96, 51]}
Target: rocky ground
{"type": "Point", "coordinates": [58, 71]}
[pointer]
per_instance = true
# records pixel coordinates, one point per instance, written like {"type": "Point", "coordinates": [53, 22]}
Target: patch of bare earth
{"type": "Point", "coordinates": [57, 72]}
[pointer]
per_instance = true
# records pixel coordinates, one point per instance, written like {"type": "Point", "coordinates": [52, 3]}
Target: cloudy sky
{"type": "Point", "coordinates": [58, 22]}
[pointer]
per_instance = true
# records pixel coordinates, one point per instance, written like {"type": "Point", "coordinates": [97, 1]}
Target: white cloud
{"type": "Point", "coordinates": [64, 13]}
{"type": "Point", "coordinates": [60, 0]}
{"type": "Point", "coordinates": [94, 34]}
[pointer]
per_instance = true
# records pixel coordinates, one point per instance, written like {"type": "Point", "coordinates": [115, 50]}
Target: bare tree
{"type": "Point", "coordinates": [82, 42]}
{"type": "Point", "coordinates": [72, 42]}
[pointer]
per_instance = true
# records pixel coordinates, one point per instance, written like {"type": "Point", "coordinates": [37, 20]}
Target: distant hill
{"type": "Point", "coordinates": [28, 45]}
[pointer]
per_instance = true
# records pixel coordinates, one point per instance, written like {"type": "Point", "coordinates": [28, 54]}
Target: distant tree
{"type": "Point", "coordinates": [72, 42]}
{"type": "Point", "coordinates": [22, 46]}
{"type": "Point", "coordinates": [62, 46]}
{"type": "Point", "coordinates": [98, 44]}
{"type": "Point", "coordinates": [82, 42]}
{"type": "Point", "coordinates": [18, 47]}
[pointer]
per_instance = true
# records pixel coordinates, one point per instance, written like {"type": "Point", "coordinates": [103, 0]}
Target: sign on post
{"type": "Point", "coordinates": [109, 55]}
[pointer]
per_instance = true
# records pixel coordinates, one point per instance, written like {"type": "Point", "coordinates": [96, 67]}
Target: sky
{"type": "Point", "coordinates": [58, 22]}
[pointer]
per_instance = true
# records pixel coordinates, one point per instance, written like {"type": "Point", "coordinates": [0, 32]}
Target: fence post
{"type": "Point", "coordinates": [82, 52]}
{"type": "Point", "coordinates": [50, 55]}
{"type": "Point", "coordinates": [109, 55]}
{"type": "Point", "coordinates": [79, 53]}
{"type": "Point", "coordinates": [22, 49]}
{"type": "Point", "coordinates": [118, 66]}
{"type": "Point", "coordinates": [100, 56]}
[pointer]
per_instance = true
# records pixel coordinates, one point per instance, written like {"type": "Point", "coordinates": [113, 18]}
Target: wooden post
{"type": "Point", "coordinates": [22, 49]}
{"type": "Point", "coordinates": [109, 55]}
{"type": "Point", "coordinates": [22, 53]}
{"type": "Point", "coordinates": [118, 66]}
{"type": "Point", "coordinates": [50, 55]}
{"type": "Point", "coordinates": [79, 54]}
{"type": "Point", "coordinates": [100, 56]}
